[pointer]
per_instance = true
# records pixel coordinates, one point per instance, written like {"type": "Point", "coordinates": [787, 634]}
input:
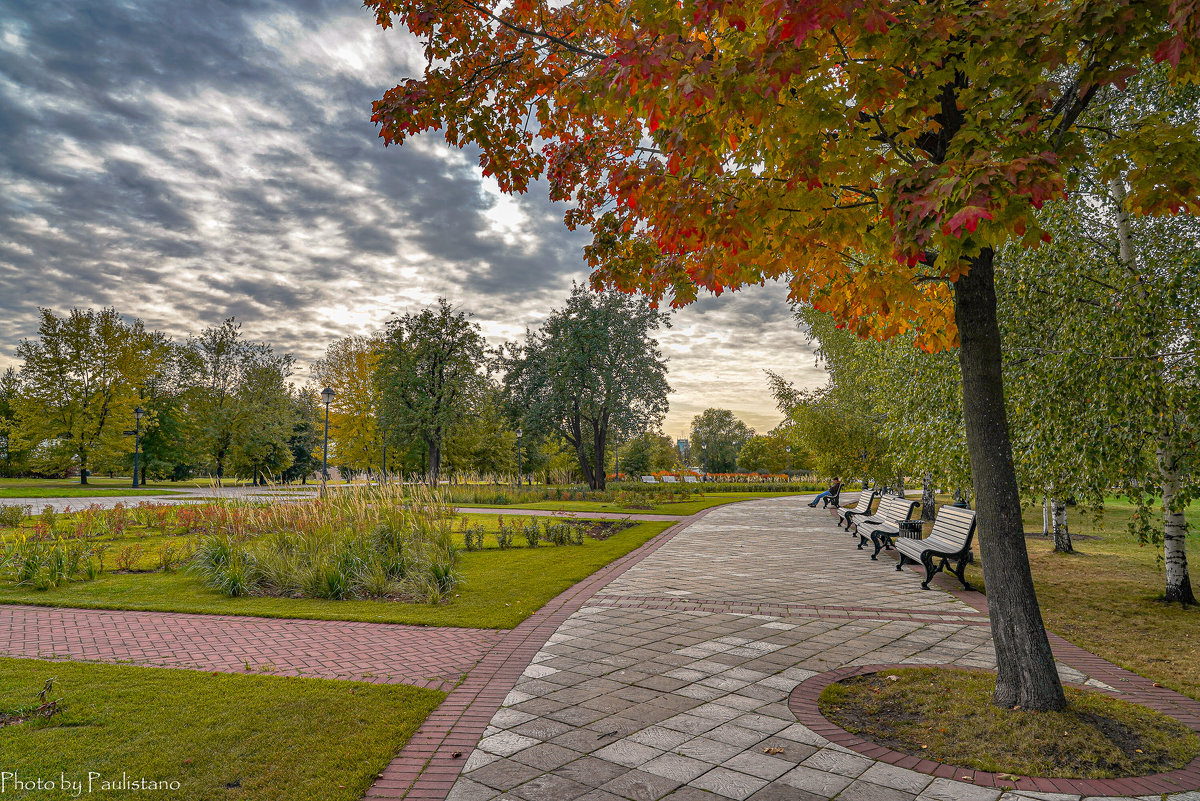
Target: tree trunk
{"type": "Point", "coordinates": [1045, 516]}
{"type": "Point", "coordinates": [928, 502]}
{"type": "Point", "coordinates": [1026, 673]}
{"type": "Point", "coordinates": [599, 437]}
{"type": "Point", "coordinates": [1062, 534]}
{"type": "Point", "coordinates": [435, 462]}
{"type": "Point", "coordinates": [1179, 584]}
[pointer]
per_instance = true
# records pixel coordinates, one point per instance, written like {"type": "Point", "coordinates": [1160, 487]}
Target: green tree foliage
{"type": "Point", "coordinates": [592, 369]}
{"type": "Point", "coordinates": [261, 439]}
{"type": "Point", "coordinates": [307, 432]}
{"type": "Point", "coordinates": [430, 374]}
{"type": "Point", "coordinates": [764, 453]}
{"type": "Point", "coordinates": [482, 443]}
{"type": "Point", "coordinates": [716, 438]}
{"type": "Point", "coordinates": [224, 373]}
{"type": "Point", "coordinates": [1104, 333]}
{"type": "Point", "coordinates": [12, 458]}
{"type": "Point", "coordinates": [647, 453]}
{"type": "Point", "coordinates": [78, 389]}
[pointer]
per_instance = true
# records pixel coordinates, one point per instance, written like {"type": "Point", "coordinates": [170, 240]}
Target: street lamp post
{"type": "Point", "coordinates": [704, 459]}
{"type": "Point", "coordinates": [520, 477]}
{"type": "Point", "coordinates": [327, 395]}
{"type": "Point", "coordinates": [788, 449]}
{"type": "Point", "coordinates": [137, 441]}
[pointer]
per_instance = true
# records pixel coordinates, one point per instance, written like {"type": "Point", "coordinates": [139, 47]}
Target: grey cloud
{"type": "Point", "coordinates": [191, 160]}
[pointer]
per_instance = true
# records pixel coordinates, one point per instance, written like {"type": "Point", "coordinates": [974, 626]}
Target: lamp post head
{"type": "Point", "coordinates": [138, 412]}
{"type": "Point", "coordinates": [520, 433]}
{"type": "Point", "coordinates": [327, 395]}
{"type": "Point", "coordinates": [788, 448]}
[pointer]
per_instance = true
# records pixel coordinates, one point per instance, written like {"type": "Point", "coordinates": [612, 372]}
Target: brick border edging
{"type": "Point", "coordinates": [803, 703]}
{"type": "Point", "coordinates": [426, 768]}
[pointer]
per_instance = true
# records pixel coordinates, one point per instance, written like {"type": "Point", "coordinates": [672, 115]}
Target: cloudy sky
{"type": "Point", "coordinates": [197, 159]}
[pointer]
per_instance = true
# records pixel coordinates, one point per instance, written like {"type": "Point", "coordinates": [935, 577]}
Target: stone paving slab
{"type": "Point", "coordinates": [371, 652]}
{"type": "Point", "coordinates": [664, 686]}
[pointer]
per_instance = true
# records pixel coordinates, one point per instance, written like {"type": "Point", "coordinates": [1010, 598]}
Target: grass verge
{"type": "Point", "coordinates": [219, 736]}
{"type": "Point", "coordinates": [79, 492]}
{"type": "Point", "coordinates": [947, 716]}
{"type": "Point", "coordinates": [499, 588]}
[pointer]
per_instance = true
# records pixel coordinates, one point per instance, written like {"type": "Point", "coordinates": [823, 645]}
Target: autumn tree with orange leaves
{"type": "Point", "coordinates": [872, 154]}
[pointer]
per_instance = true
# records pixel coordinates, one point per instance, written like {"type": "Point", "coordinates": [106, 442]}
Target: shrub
{"type": "Point", "coordinates": [128, 556]}
{"type": "Point", "coordinates": [504, 535]}
{"type": "Point", "coordinates": [532, 532]}
{"type": "Point", "coordinates": [12, 514]}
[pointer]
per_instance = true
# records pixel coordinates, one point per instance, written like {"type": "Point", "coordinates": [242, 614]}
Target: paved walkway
{"type": "Point", "coordinates": [673, 681]}
{"type": "Point", "coordinates": [372, 652]}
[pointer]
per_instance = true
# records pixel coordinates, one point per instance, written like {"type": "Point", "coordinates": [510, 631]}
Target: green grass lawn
{"type": "Point", "coordinates": [1106, 596]}
{"type": "Point", "coordinates": [97, 486]}
{"type": "Point", "coordinates": [708, 500]}
{"type": "Point", "coordinates": [499, 588]}
{"type": "Point", "coordinates": [221, 736]}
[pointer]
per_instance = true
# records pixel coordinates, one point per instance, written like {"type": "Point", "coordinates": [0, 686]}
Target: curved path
{"type": "Point", "coordinates": [670, 676]}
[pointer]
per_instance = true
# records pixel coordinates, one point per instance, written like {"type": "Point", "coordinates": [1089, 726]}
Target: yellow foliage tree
{"type": "Point", "coordinates": [349, 369]}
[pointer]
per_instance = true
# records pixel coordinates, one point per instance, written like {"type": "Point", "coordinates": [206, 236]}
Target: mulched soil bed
{"type": "Point", "coordinates": [947, 716]}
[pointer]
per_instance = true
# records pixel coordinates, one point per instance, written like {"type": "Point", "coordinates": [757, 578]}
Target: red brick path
{"type": "Point", "coordinates": [372, 652]}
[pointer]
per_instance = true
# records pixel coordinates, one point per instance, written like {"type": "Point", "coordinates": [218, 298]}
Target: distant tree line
{"type": "Point", "coordinates": [215, 404]}
{"type": "Point", "coordinates": [426, 396]}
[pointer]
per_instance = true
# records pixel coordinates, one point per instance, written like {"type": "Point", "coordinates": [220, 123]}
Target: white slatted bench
{"type": "Point", "coordinates": [949, 541]}
{"type": "Point", "coordinates": [886, 520]}
{"type": "Point", "coordinates": [863, 507]}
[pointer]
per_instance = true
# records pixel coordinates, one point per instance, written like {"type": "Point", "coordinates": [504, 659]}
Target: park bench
{"type": "Point", "coordinates": [834, 499]}
{"type": "Point", "coordinates": [948, 541]}
{"type": "Point", "coordinates": [891, 512]}
{"type": "Point", "coordinates": [649, 480]}
{"type": "Point", "coordinates": [863, 508]}
{"type": "Point", "coordinates": [669, 480]}
{"type": "Point", "coordinates": [690, 480]}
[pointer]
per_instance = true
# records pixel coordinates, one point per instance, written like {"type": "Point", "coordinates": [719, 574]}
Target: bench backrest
{"type": "Point", "coordinates": [867, 495]}
{"type": "Point", "coordinates": [690, 480]}
{"type": "Point", "coordinates": [669, 480]}
{"type": "Point", "coordinates": [894, 509]}
{"type": "Point", "coordinates": [649, 480]}
{"type": "Point", "coordinates": [953, 528]}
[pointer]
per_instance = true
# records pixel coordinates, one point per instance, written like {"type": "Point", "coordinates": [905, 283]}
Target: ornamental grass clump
{"type": "Point", "coordinates": [366, 542]}
{"type": "Point", "coordinates": [43, 563]}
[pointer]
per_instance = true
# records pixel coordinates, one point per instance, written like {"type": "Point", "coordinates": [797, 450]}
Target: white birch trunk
{"type": "Point", "coordinates": [1179, 584]}
{"type": "Point", "coordinates": [1062, 534]}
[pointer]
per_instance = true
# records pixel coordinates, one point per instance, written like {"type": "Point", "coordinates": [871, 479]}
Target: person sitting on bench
{"type": "Point", "coordinates": [830, 494]}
